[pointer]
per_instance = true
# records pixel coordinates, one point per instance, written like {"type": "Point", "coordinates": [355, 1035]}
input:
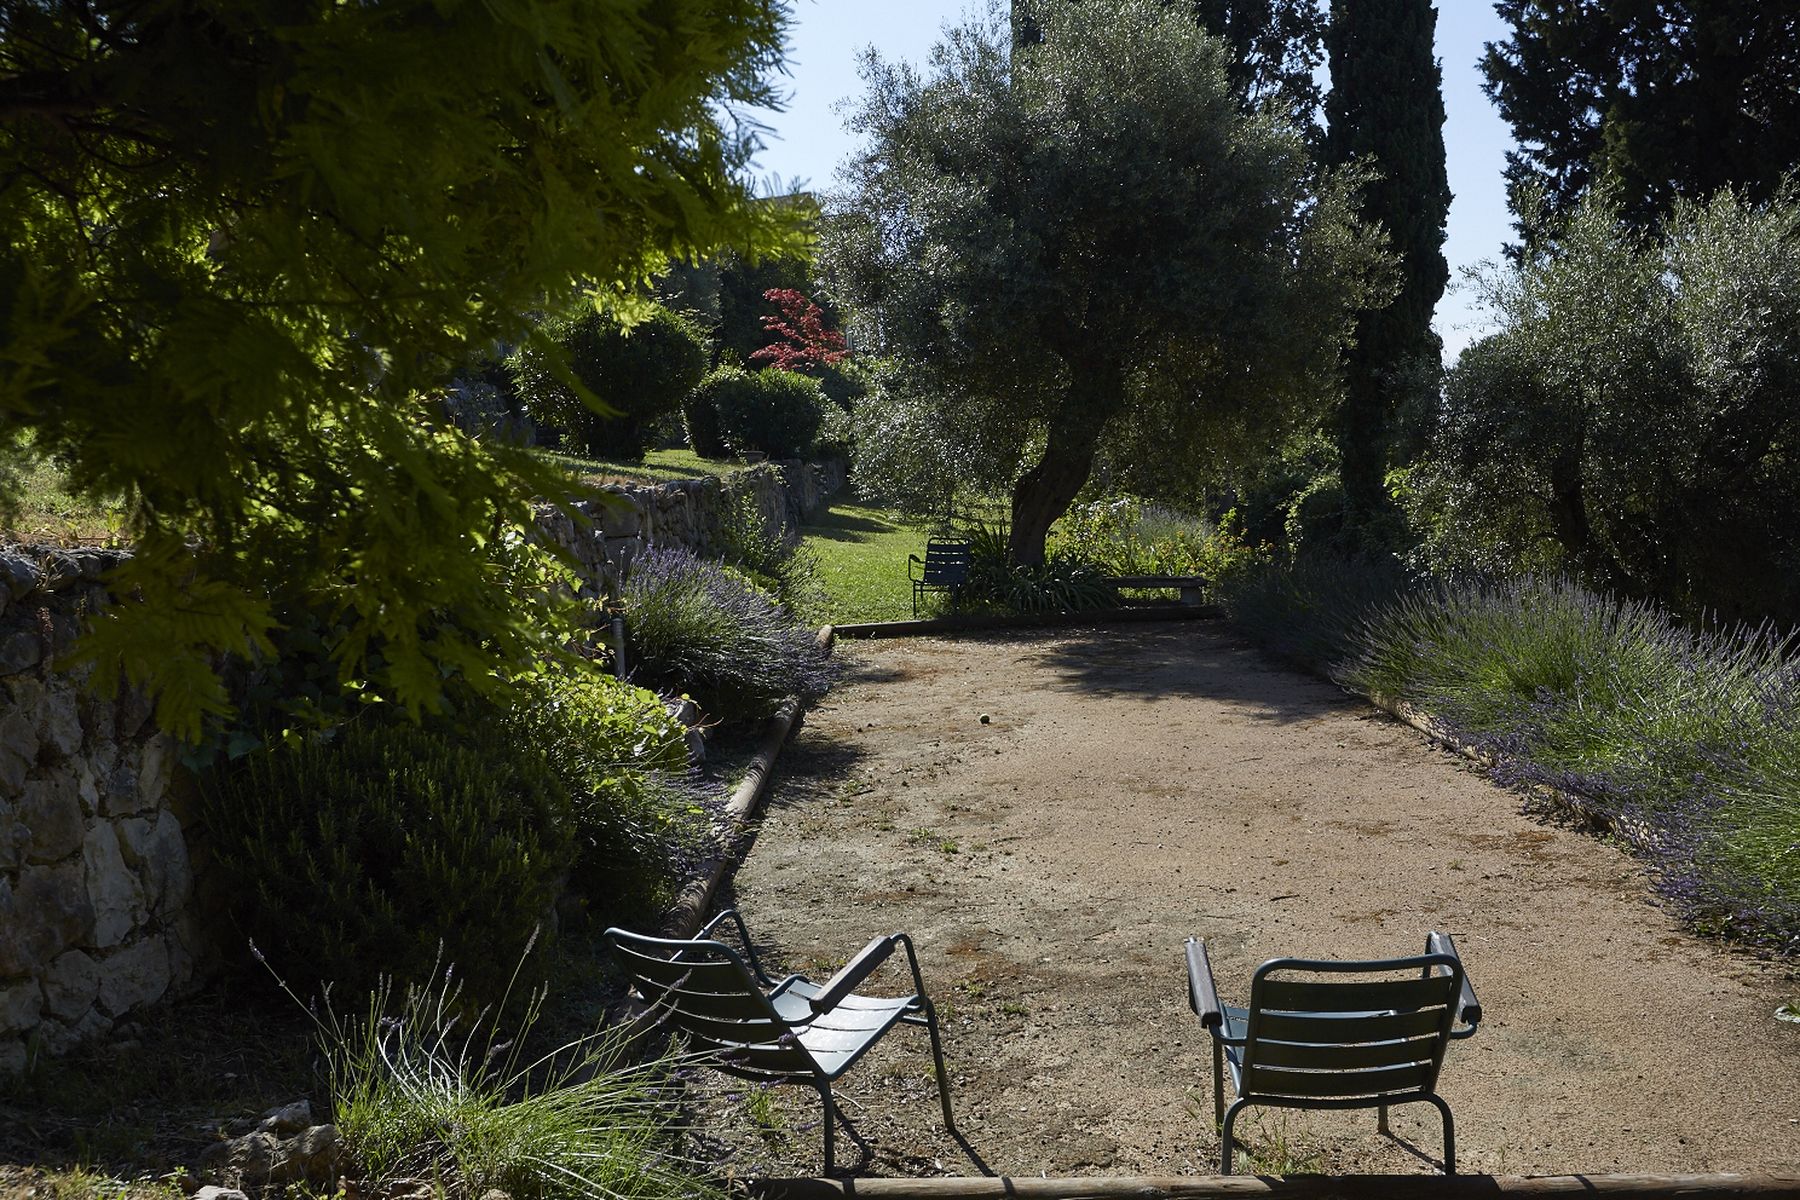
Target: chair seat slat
{"type": "Point", "coordinates": [1389, 1081]}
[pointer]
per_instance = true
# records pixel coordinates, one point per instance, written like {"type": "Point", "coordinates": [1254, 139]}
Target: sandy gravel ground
{"type": "Point", "coordinates": [1137, 785]}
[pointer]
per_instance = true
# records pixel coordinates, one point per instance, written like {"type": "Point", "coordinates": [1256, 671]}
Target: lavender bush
{"type": "Point", "coordinates": [1688, 740]}
{"type": "Point", "coordinates": [696, 627]}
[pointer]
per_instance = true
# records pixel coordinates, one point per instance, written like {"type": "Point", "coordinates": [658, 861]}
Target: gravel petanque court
{"type": "Point", "coordinates": [1136, 785]}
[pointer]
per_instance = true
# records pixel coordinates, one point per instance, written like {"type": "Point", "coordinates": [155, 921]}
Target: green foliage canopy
{"type": "Point", "coordinates": [244, 241]}
{"type": "Point", "coordinates": [1668, 98]}
{"type": "Point", "coordinates": [1633, 420]}
{"type": "Point", "coordinates": [1090, 244]}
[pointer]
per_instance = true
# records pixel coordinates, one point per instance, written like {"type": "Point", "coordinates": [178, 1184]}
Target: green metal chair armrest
{"type": "Point", "coordinates": [1468, 1008]}
{"type": "Point", "coordinates": [1203, 996]}
{"type": "Point", "coordinates": [867, 960]}
{"type": "Point", "coordinates": [910, 560]}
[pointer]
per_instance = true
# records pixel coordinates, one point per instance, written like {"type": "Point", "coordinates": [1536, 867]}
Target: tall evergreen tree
{"type": "Point", "coordinates": [1670, 98]}
{"type": "Point", "coordinates": [1276, 46]}
{"type": "Point", "coordinates": [1386, 108]}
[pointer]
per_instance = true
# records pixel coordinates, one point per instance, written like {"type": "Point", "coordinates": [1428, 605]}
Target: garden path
{"type": "Point", "coordinates": [1134, 786]}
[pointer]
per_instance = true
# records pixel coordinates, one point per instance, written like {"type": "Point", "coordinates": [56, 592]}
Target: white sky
{"type": "Point", "coordinates": [808, 140]}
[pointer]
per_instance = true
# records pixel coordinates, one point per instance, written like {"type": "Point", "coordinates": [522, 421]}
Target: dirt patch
{"type": "Point", "coordinates": [1135, 786]}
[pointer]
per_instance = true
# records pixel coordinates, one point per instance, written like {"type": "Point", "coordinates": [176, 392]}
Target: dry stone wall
{"type": "Point", "coordinates": [96, 882]}
{"type": "Point", "coordinates": [688, 513]}
{"type": "Point", "coordinates": [98, 853]}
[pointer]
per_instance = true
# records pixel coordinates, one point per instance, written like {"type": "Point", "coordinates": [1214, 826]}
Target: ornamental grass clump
{"type": "Point", "coordinates": [421, 1092]}
{"type": "Point", "coordinates": [696, 627]}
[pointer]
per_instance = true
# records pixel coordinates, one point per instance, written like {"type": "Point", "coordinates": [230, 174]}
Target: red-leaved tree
{"type": "Point", "coordinates": [806, 344]}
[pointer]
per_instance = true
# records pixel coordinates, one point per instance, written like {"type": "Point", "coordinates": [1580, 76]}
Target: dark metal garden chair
{"type": "Point", "coordinates": [787, 1031]}
{"type": "Point", "coordinates": [1327, 1034]}
{"type": "Point", "coordinates": [944, 568]}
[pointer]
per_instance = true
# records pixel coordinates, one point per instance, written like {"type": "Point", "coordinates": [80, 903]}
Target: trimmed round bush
{"type": "Point", "coordinates": [771, 412]}
{"type": "Point", "coordinates": [643, 372]}
{"type": "Point", "coordinates": [357, 854]}
{"type": "Point", "coordinates": [700, 416]}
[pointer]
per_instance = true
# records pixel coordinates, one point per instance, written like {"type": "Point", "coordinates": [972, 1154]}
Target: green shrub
{"type": "Point", "coordinates": [700, 419]}
{"type": "Point", "coordinates": [362, 852]}
{"type": "Point", "coordinates": [772, 412]}
{"type": "Point", "coordinates": [615, 748]}
{"type": "Point", "coordinates": [1129, 536]}
{"type": "Point", "coordinates": [1060, 584]}
{"type": "Point", "coordinates": [1311, 610]}
{"type": "Point", "coordinates": [697, 628]}
{"type": "Point", "coordinates": [643, 372]}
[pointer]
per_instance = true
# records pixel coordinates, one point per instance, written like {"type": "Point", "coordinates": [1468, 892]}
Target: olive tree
{"type": "Point", "coordinates": [1089, 247]}
{"type": "Point", "coordinates": [246, 241]}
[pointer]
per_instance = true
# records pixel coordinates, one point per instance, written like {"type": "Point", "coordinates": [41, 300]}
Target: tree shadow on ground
{"type": "Point", "coordinates": [1188, 660]}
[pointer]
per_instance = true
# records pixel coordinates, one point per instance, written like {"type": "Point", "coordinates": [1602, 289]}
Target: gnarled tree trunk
{"type": "Point", "coordinates": [1043, 493]}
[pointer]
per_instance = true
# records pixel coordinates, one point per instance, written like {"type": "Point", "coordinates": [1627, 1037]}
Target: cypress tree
{"type": "Point", "coordinates": [1386, 108]}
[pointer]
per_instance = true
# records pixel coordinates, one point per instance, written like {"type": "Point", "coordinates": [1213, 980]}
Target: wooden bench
{"type": "Point", "coordinates": [1192, 587]}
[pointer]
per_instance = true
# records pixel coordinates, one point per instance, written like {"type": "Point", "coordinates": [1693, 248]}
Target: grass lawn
{"type": "Point", "coordinates": [659, 466]}
{"type": "Point", "coordinates": [862, 562]}
{"type": "Point", "coordinates": [48, 513]}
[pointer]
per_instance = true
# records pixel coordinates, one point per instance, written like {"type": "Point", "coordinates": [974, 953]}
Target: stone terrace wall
{"type": "Point", "coordinates": [96, 887]}
{"type": "Point", "coordinates": [687, 513]}
{"type": "Point", "coordinates": [97, 865]}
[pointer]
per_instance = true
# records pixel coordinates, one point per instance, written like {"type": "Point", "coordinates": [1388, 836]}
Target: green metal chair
{"type": "Point", "coordinates": [945, 568]}
{"type": "Point", "coordinates": [786, 1031]}
{"type": "Point", "coordinates": [1314, 1037]}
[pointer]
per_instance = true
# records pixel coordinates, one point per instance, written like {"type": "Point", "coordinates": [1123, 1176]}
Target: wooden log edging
{"type": "Point", "coordinates": [691, 907]}
{"type": "Point", "coordinates": [1296, 1187]}
{"type": "Point", "coordinates": [930, 626]}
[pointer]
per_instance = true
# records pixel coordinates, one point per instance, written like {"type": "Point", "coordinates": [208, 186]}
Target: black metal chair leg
{"type": "Point", "coordinates": [1218, 1083]}
{"type": "Point", "coordinates": [830, 1132]}
{"type": "Point", "coordinates": [943, 1074]}
{"type": "Point", "coordinates": [1449, 1134]}
{"type": "Point", "coordinates": [1381, 1122]}
{"type": "Point", "coordinates": [1225, 1144]}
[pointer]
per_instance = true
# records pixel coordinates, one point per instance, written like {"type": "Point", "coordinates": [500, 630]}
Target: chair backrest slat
{"type": "Point", "coordinates": [1338, 1085]}
{"type": "Point", "coordinates": [703, 989]}
{"type": "Point", "coordinates": [946, 562]}
{"type": "Point", "coordinates": [1312, 1056]}
{"type": "Point", "coordinates": [1338, 1031]}
{"type": "Point", "coordinates": [1348, 996]}
{"type": "Point", "coordinates": [1332, 1033]}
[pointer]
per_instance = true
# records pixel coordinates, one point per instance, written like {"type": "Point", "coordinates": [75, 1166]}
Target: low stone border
{"type": "Point", "coordinates": [1297, 1187]}
{"type": "Point", "coordinates": [976, 624]}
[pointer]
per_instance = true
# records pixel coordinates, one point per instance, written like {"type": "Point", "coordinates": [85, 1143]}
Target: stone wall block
{"type": "Point", "coordinates": [15, 837]}
{"type": "Point", "coordinates": [18, 575]}
{"type": "Point", "coordinates": [87, 787]}
{"type": "Point", "coordinates": [119, 792]}
{"type": "Point", "coordinates": [47, 911]}
{"type": "Point", "coordinates": [61, 730]}
{"type": "Point", "coordinates": [156, 849]}
{"type": "Point", "coordinates": [155, 769]}
{"type": "Point", "coordinates": [113, 889]}
{"type": "Point", "coordinates": [70, 986]}
{"type": "Point", "coordinates": [12, 1056]}
{"type": "Point", "coordinates": [20, 650]}
{"type": "Point", "coordinates": [20, 1005]}
{"type": "Point", "coordinates": [135, 976]}
{"type": "Point", "coordinates": [50, 810]}
{"type": "Point", "coordinates": [18, 749]}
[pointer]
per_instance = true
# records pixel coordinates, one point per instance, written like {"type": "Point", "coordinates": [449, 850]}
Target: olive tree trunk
{"type": "Point", "coordinates": [1043, 492]}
